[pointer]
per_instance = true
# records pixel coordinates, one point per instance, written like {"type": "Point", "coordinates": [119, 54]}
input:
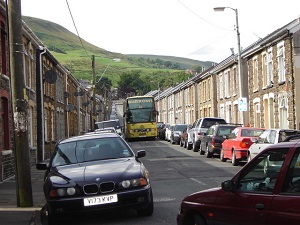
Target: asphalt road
{"type": "Point", "coordinates": [175, 173]}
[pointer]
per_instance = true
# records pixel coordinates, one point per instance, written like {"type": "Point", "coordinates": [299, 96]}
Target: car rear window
{"type": "Point", "coordinates": [207, 123]}
{"type": "Point", "coordinates": [224, 131]}
{"type": "Point", "coordinates": [105, 124]}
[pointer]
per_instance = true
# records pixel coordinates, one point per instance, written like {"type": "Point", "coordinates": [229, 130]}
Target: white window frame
{"type": "Point", "coordinates": [270, 76]}
{"type": "Point", "coordinates": [281, 62]}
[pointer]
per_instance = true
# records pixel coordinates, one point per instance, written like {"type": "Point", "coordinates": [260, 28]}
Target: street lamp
{"type": "Point", "coordinates": [221, 9]}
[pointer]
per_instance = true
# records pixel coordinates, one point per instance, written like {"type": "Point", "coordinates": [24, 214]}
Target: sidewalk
{"type": "Point", "coordinates": [10, 213]}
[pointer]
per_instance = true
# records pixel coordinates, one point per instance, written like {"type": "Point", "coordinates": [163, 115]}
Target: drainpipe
{"type": "Point", "coordinates": [40, 105]}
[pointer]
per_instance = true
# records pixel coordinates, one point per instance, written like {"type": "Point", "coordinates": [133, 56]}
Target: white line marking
{"type": "Point", "coordinates": [198, 181]}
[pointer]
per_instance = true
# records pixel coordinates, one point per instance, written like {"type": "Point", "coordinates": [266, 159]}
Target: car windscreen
{"type": "Point", "coordinates": [90, 150]}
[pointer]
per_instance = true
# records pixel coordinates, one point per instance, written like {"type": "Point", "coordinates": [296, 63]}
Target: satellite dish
{"type": "Point", "coordinates": [50, 76]}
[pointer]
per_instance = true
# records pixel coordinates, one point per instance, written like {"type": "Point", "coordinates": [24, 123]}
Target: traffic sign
{"type": "Point", "coordinates": [242, 103]}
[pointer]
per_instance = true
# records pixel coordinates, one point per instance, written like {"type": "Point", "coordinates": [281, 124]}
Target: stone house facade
{"type": "Point", "coordinates": [271, 84]}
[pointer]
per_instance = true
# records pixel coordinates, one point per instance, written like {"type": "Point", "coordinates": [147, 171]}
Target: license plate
{"type": "Point", "coordinates": [99, 200]}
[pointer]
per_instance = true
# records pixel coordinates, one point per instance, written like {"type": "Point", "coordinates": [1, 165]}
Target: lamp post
{"type": "Point", "coordinates": [221, 9]}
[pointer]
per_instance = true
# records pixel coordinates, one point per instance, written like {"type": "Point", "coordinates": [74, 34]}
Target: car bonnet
{"type": "Point", "coordinates": [114, 170]}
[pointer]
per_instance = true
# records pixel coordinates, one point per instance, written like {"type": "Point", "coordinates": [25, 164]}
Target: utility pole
{"type": "Point", "coordinates": [94, 93]}
{"type": "Point", "coordinates": [20, 105]}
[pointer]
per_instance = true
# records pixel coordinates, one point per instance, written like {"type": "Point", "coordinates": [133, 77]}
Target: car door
{"type": "Point", "coordinates": [285, 207]}
{"type": "Point", "coordinates": [254, 189]}
{"type": "Point", "coordinates": [228, 143]}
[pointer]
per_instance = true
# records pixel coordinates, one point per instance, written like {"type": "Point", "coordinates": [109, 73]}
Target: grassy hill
{"type": "Point", "coordinates": [75, 54]}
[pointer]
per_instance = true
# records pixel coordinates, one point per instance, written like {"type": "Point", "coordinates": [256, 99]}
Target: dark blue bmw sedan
{"type": "Point", "coordinates": [96, 172]}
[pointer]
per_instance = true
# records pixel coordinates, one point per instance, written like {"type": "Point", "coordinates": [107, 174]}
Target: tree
{"type": "Point", "coordinates": [102, 85]}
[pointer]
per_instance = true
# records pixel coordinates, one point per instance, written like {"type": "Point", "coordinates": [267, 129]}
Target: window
{"type": "Point", "coordinates": [261, 177]}
{"type": "Point", "coordinates": [283, 112]}
{"type": "Point", "coordinates": [234, 81]}
{"type": "Point", "coordinates": [280, 62]}
{"type": "Point", "coordinates": [255, 75]}
{"type": "Point", "coordinates": [5, 123]}
{"type": "Point", "coordinates": [222, 111]}
{"type": "Point", "coordinates": [221, 88]}
{"type": "Point", "coordinates": [292, 179]}
{"type": "Point", "coordinates": [257, 114]}
{"type": "Point", "coordinates": [270, 77]}
{"type": "Point", "coordinates": [226, 84]}
{"type": "Point", "coordinates": [3, 49]}
{"type": "Point", "coordinates": [264, 70]}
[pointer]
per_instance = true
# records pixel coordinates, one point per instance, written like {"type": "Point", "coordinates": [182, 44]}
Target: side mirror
{"type": "Point", "coordinates": [228, 185]}
{"type": "Point", "coordinates": [141, 153]}
{"type": "Point", "coordinates": [42, 166]}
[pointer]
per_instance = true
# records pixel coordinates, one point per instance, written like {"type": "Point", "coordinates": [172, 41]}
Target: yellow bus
{"type": "Point", "coordinates": [140, 117]}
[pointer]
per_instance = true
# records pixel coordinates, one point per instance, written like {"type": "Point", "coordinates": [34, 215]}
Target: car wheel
{"type": "Point", "coordinates": [195, 219]}
{"type": "Point", "coordinates": [234, 160]}
{"type": "Point", "coordinates": [222, 156]}
{"type": "Point", "coordinates": [148, 211]}
{"type": "Point", "coordinates": [189, 146]}
{"type": "Point", "coordinates": [201, 150]}
{"type": "Point", "coordinates": [195, 149]}
{"type": "Point", "coordinates": [51, 217]}
{"type": "Point", "coordinates": [208, 153]}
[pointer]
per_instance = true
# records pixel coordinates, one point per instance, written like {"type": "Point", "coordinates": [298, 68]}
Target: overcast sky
{"type": "Point", "coordinates": [183, 28]}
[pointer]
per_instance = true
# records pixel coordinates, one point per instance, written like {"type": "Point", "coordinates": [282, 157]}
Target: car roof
{"type": "Point", "coordinates": [283, 130]}
{"type": "Point", "coordinates": [89, 136]}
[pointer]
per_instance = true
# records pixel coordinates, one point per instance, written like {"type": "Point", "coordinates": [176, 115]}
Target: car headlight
{"type": "Point", "coordinates": [138, 182]}
{"type": "Point", "coordinates": [62, 192]}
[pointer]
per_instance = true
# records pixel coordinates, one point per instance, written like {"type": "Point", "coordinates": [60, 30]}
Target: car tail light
{"type": "Point", "coordinates": [246, 143]}
{"type": "Point", "coordinates": [213, 142]}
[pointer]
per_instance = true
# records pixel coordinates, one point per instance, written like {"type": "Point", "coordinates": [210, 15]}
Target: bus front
{"type": "Point", "coordinates": [140, 117]}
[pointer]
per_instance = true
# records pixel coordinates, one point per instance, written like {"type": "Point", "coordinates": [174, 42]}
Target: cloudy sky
{"type": "Point", "coordinates": [183, 28]}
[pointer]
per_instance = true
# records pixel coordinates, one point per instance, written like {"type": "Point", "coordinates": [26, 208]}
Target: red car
{"type": "Point", "coordinates": [266, 191]}
{"type": "Point", "coordinates": [236, 145]}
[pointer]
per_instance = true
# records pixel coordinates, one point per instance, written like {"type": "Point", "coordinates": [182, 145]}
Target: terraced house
{"type": "Point", "coordinates": [271, 78]}
{"type": "Point", "coordinates": [59, 105]}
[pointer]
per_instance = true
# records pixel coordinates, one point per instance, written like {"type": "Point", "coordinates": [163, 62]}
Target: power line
{"type": "Point", "coordinates": [76, 28]}
{"type": "Point", "coordinates": [201, 17]}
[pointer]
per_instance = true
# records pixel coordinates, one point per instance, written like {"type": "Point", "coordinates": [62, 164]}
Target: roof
{"type": "Point", "coordinates": [89, 136]}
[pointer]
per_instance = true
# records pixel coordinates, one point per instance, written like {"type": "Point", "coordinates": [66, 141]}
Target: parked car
{"type": "Point", "coordinates": [211, 141]}
{"type": "Point", "coordinates": [184, 136]}
{"type": "Point", "coordinates": [176, 133]}
{"type": "Point", "coordinates": [158, 126]}
{"type": "Point", "coordinates": [96, 172]}
{"type": "Point", "coordinates": [268, 137]}
{"type": "Point", "coordinates": [199, 127]}
{"type": "Point", "coordinates": [109, 123]}
{"type": "Point", "coordinates": [235, 146]}
{"type": "Point", "coordinates": [168, 132]}
{"type": "Point", "coordinates": [265, 191]}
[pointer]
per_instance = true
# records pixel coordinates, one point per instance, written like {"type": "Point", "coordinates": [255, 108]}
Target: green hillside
{"type": "Point", "coordinates": [75, 54]}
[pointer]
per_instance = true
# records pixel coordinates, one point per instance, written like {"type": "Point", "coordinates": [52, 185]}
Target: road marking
{"type": "Point", "coordinates": [198, 181]}
{"type": "Point", "coordinates": [163, 199]}
{"type": "Point", "coordinates": [170, 158]}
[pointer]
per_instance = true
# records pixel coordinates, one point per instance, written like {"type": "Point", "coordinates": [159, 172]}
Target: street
{"type": "Point", "coordinates": [174, 172]}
